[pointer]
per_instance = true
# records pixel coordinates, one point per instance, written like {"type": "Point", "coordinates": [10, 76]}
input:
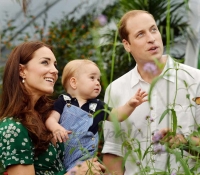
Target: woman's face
{"type": "Point", "coordinates": [40, 73]}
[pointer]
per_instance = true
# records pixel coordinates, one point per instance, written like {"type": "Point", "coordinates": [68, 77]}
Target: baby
{"type": "Point", "coordinates": [76, 111]}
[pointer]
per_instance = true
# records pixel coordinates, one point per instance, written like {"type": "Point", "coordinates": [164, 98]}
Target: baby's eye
{"type": "Point", "coordinates": [140, 34]}
{"type": "Point", "coordinates": [92, 77]}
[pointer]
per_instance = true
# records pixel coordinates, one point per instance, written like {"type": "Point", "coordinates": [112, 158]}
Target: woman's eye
{"type": "Point", "coordinates": [45, 62]}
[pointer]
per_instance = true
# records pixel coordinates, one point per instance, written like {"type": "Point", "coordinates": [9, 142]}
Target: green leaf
{"type": "Point", "coordinates": [181, 160]}
{"type": "Point", "coordinates": [125, 157]}
{"type": "Point", "coordinates": [146, 152]}
{"type": "Point", "coordinates": [163, 114]}
{"type": "Point", "coordinates": [71, 150]}
{"type": "Point", "coordinates": [174, 119]}
{"type": "Point", "coordinates": [138, 150]}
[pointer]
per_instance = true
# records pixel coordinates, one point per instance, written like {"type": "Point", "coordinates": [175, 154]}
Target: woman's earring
{"type": "Point", "coordinates": [23, 81]}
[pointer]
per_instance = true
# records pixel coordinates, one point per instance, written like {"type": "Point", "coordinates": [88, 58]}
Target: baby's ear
{"type": "Point", "coordinates": [72, 82]}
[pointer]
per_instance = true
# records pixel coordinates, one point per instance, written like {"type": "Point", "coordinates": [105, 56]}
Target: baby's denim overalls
{"type": "Point", "coordinates": [82, 144]}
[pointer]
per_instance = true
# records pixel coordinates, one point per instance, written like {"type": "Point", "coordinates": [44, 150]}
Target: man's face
{"type": "Point", "coordinates": [145, 42]}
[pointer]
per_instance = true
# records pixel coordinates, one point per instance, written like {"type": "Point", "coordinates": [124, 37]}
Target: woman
{"type": "Point", "coordinates": [26, 145]}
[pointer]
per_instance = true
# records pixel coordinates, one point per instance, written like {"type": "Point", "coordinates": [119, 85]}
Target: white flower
{"type": "Point", "coordinates": [9, 127]}
{"type": "Point", "coordinates": [14, 151]}
{"type": "Point", "coordinates": [15, 134]}
{"type": "Point", "coordinates": [12, 140]}
{"type": "Point", "coordinates": [47, 159]}
{"type": "Point", "coordinates": [22, 161]}
{"type": "Point", "coordinates": [8, 135]}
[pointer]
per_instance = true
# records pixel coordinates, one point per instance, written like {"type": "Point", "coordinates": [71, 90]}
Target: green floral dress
{"type": "Point", "coordinates": [16, 147]}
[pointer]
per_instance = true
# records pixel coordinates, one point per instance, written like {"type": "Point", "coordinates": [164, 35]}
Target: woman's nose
{"type": "Point", "coordinates": [54, 69]}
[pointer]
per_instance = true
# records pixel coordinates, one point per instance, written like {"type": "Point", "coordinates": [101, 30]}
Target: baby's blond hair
{"type": "Point", "coordinates": [72, 68]}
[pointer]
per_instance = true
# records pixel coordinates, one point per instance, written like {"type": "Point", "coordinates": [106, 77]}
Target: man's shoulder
{"type": "Point", "coordinates": [123, 78]}
{"type": "Point", "coordinates": [182, 65]}
{"type": "Point", "coordinates": [189, 70]}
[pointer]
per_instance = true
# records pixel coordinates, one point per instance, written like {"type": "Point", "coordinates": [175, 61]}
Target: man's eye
{"type": "Point", "coordinates": [154, 29]}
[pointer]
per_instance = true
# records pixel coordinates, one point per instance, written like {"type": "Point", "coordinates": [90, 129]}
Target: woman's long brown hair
{"type": "Point", "coordinates": [15, 100]}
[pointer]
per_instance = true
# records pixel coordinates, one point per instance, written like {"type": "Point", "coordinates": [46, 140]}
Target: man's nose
{"type": "Point", "coordinates": [150, 38]}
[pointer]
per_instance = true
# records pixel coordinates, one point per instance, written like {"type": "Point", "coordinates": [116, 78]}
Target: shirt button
{"type": "Point", "coordinates": [93, 146]}
{"type": "Point", "coordinates": [92, 138]}
{"type": "Point", "coordinates": [90, 115]}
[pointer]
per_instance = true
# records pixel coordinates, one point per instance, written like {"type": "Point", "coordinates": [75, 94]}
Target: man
{"type": "Point", "coordinates": [177, 85]}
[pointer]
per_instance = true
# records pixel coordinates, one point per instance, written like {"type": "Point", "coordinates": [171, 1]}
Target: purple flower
{"type": "Point", "coordinates": [158, 148]}
{"type": "Point", "coordinates": [173, 173]}
{"type": "Point", "coordinates": [102, 20]}
{"type": "Point", "coordinates": [150, 68]}
{"type": "Point", "coordinates": [157, 136]}
{"type": "Point", "coordinates": [147, 117]}
{"type": "Point", "coordinates": [151, 120]}
{"type": "Point", "coordinates": [138, 163]}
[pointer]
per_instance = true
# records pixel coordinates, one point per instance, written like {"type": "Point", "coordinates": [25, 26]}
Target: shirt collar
{"type": "Point", "coordinates": [170, 64]}
{"type": "Point", "coordinates": [135, 76]}
{"type": "Point", "coordinates": [88, 101]}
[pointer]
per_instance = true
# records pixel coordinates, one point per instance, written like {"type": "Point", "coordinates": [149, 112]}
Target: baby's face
{"type": "Point", "coordinates": [88, 81]}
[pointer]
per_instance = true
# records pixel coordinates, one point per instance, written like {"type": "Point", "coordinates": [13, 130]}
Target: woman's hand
{"type": "Point", "coordinates": [173, 141]}
{"type": "Point", "coordinates": [89, 167]}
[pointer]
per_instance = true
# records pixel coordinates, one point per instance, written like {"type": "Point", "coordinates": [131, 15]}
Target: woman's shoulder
{"type": "Point", "coordinates": [11, 125]}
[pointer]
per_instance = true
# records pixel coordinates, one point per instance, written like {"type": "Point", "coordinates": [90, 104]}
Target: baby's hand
{"type": "Point", "coordinates": [61, 134]}
{"type": "Point", "coordinates": [138, 98]}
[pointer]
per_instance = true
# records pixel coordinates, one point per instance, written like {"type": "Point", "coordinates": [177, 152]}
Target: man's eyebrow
{"type": "Point", "coordinates": [153, 26]}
